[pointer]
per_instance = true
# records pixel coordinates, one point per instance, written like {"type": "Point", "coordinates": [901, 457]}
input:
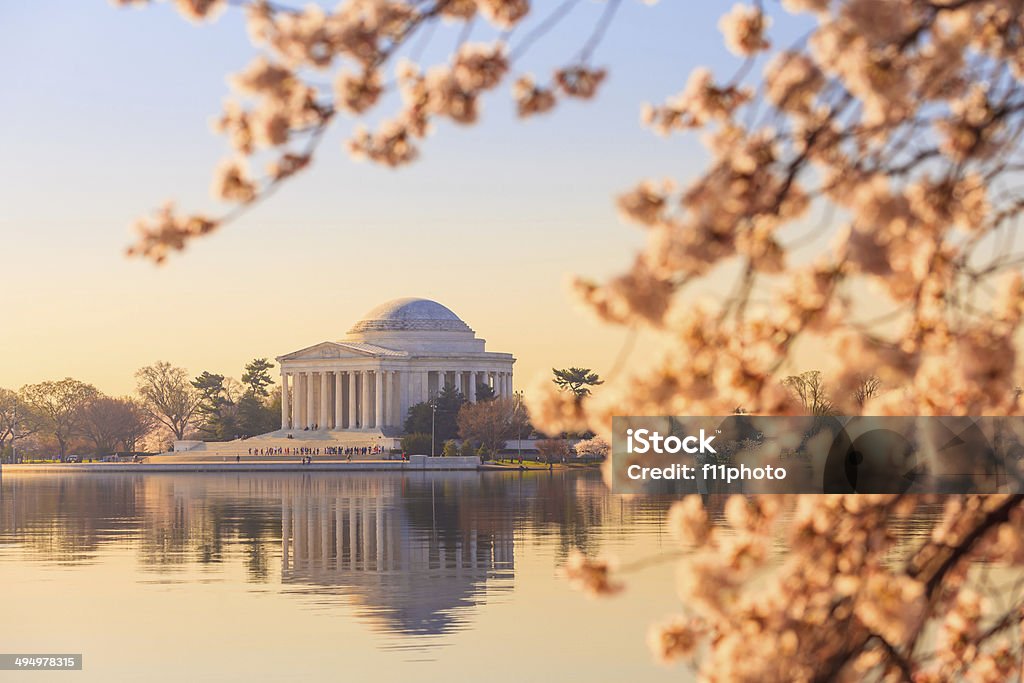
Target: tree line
{"type": "Point", "coordinates": [68, 416]}
{"type": "Point", "coordinates": [61, 417]}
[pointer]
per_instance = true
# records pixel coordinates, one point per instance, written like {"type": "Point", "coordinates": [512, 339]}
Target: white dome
{"type": "Point", "coordinates": [410, 314]}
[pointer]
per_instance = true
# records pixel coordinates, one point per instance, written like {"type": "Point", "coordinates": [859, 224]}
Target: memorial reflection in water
{"type": "Point", "coordinates": [405, 550]}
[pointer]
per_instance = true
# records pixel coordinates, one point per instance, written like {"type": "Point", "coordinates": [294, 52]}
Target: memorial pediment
{"type": "Point", "coordinates": [328, 350]}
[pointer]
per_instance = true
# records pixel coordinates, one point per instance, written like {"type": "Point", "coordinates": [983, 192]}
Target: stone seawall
{"type": "Point", "coordinates": [416, 463]}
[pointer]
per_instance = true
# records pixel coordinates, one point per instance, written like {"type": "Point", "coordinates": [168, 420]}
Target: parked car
{"type": "Point", "coordinates": [73, 458]}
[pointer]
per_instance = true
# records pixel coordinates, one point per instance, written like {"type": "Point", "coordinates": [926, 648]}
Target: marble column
{"type": "Point", "coordinates": [472, 386]}
{"type": "Point", "coordinates": [395, 410]}
{"type": "Point", "coordinates": [284, 401]}
{"type": "Point", "coordinates": [365, 420]}
{"type": "Point", "coordinates": [324, 401]}
{"type": "Point", "coordinates": [310, 397]}
{"type": "Point", "coordinates": [391, 408]}
{"type": "Point", "coordinates": [352, 419]}
{"type": "Point", "coordinates": [396, 403]}
{"type": "Point", "coordinates": [403, 396]}
{"type": "Point", "coordinates": [378, 419]}
{"type": "Point", "coordinates": [297, 401]}
{"type": "Point", "coordinates": [300, 379]}
{"type": "Point", "coordinates": [339, 417]}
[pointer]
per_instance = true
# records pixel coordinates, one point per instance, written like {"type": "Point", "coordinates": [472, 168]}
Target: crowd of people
{"type": "Point", "coordinates": [326, 450]}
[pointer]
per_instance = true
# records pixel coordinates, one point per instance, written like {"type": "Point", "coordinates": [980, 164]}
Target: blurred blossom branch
{"type": "Point", "coordinates": [901, 121]}
{"type": "Point", "coordinates": [893, 127]}
{"type": "Point", "coordinates": [835, 606]}
{"type": "Point", "coordinates": [281, 111]}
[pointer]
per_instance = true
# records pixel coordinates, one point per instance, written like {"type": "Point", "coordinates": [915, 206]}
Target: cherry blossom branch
{"type": "Point", "coordinates": [542, 29]}
{"type": "Point", "coordinates": [906, 672]}
{"type": "Point", "coordinates": [289, 104]}
{"type": "Point", "coordinates": [610, 8]}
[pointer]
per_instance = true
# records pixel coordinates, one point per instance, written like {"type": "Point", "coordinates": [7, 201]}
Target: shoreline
{"type": "Point", "coordinates": [142, 468]}
{"type": "Point", "coordinates": [221, 467]}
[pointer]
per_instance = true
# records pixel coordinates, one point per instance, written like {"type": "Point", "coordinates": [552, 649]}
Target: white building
{"type": "Point", "coordinates": [401, 353]}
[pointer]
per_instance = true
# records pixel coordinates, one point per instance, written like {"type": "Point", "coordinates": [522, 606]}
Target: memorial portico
{"type": "Point", "coordinates": [401, 353]}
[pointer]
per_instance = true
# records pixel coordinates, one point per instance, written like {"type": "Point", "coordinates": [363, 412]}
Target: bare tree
{"type": "Point", "coordinates": [60, 404]}
{"type": "Point", "coordinates": [490, 423]}
{"type": "Point", "coordinates": [168, 395]}
{"type": "Point", "coordinates": [867, 387]}
{"type": "Point", "coordinates": [809, 389]}
{"type": "Point", "coordinates": [112, 422]}
{"type": "Point", "coordinates": [138, 425]}
{"type": "Point", "coordinates": [17, 420]}
{"type": "Point", "coordinates": [554, 450]}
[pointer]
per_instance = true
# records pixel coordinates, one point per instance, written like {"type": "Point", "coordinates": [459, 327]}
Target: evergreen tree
{"type": "Point", "coordinates": [444, 410]}
{"type": "Point", "coordinates": [256, 416]}
{"type": "Point", "coordinates": [257, 377]}
{"type": "Point", "coordinates": [576, 380]}
{"type": "Point", "coordinates": [216, 410]}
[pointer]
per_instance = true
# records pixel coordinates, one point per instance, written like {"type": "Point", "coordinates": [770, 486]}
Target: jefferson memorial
{"type": "Point", "coordinates": [401, 353]}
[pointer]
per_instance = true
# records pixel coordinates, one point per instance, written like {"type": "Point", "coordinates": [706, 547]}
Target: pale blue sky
{"type": "Point", "coordinates": [106, 115]}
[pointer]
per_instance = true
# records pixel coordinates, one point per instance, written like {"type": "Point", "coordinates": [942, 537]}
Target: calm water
{"type": "Point", "coordinates": [383, 577]}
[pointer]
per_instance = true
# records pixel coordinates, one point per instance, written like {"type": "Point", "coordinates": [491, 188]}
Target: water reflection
{"type": "Point", "coordinates": [411, 554]}
{"type": "Point", "coordinates": [405, 548]}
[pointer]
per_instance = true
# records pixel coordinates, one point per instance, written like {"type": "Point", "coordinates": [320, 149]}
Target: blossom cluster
{"type": "Point", "coordinates": [837, 605]}
{"type": "Point", "coordinates": [280, 107]}
{"type": "Point", "coordinates": [888, 138]}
